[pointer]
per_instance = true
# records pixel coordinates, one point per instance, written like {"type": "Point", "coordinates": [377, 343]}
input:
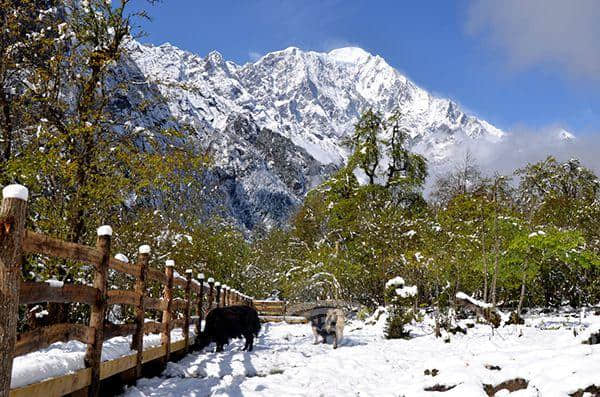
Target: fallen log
{"type": "Point", "coordinates": [482, 309]}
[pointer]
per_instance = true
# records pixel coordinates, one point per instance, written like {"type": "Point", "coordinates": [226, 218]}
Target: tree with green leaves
{"type": "Point", "coordinates": [86, 160]}
{"type": "Point", "coordinates": [379, 151]}
{"type": "Point", "coordinates": [548, 260]}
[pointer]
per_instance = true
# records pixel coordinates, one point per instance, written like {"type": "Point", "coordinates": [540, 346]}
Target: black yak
{"type": "Point", "coordinates": [224, 323]}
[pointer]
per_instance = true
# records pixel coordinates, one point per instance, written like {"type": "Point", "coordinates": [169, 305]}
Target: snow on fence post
{"type": "Point", "coordinates": [211, 293]}
{"type": "Point", "coordinates": [166, 316]}
{"type": "Point", "coordinates": [13, 213]}
{"type": "Point", "coordinates": [200, 304]}
{"type": "Point", "coordinates": [137, 340]}
{"type": "Point", "coordinates": [218, 298]}
{"type": "Point", "coordinates": [188, 300]}
{"type": "Point", "coordinates": [93, 355]}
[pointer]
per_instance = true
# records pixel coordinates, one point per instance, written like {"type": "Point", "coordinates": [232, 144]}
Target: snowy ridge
{"type": "Point", "coordinates": [312, 98]}
{"type": "Point", "coordinates": [276, 127]}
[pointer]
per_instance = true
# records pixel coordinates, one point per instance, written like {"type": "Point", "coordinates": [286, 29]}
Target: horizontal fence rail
{"type": "Point", "coordinates": [198, 295]}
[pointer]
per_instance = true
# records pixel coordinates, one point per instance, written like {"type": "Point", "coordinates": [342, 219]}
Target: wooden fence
{"type": "Point", "coordinates": [16, 241]}
{"type": "Point", "coordinates": [276, 311]}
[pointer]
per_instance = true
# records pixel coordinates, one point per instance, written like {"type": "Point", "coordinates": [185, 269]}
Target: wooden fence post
{"type": "Point", "coordinates": [211, 292]}
{"type": "Point", "coordinates": [218, 299]}
{"type": "Point", "coordinates": [166, 317]}
{"type": "Point", "coordinates": [137, 340]}
{"type": "Point", "coordinates": [13, 214]}
{"type": "Point", "coordinates": [200, 306]}
{"type": "Point", "coordinates": [225, 289]}
{"type": "Point", "coordinates": [93, 356]}
{"type": "Point", "coordinates": [188, 300]}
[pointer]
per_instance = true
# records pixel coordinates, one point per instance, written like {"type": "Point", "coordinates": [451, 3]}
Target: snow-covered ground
{"type": "Point", "coordinates": [545, 352]}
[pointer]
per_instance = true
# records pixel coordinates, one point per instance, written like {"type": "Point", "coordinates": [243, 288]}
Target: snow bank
{"type": "Point", "coordinates": [67, 357]}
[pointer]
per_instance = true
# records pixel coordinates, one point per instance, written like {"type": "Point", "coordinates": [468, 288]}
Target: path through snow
{"type": "Point", "coordinates": [286, 363]}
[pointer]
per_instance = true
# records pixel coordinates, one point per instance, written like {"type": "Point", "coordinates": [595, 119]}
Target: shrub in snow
{"type": "Point", "coordinates": [399, 298]}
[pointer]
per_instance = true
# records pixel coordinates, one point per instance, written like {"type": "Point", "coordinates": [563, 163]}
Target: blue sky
{"type": "Point", "coordinates": [517, 67]}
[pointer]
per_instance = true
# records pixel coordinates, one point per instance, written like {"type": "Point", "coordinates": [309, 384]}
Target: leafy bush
{"type": "Point", "coordinates": [399, 298]}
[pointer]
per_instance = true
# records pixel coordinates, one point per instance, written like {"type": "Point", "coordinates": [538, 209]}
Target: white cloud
{"type": "Point", "coordinates": [548, 32]}
{"type": "Point", "coordinates": [254, 56]}
{"type": "Point", "coordinates": [523, 145]}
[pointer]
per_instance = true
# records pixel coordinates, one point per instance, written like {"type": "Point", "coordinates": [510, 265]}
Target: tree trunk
{"type": "Point", "coordinates": [7, 128]}
{"type": "Point", "coordinates": [12, 226]}
{"type": "Point", "coordinates": [495, 276]}
{"type": "Point", "coordinates": [522, 297]}
{"type": "Point", "coordinates": [485, 265]}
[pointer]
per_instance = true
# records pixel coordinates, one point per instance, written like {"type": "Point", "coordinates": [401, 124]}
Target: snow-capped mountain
{"type": "Point", "coordinates": [306, 103]}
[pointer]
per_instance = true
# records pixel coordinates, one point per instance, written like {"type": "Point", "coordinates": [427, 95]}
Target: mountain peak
{"type": "Point", "coordinates": [215, 57]}
{"type": "Point", "coordinates": [349, 54]}
{"type": "Point", "coordinates": [304, 101]}
{"type": "Point", "coordinates": [565, 135]}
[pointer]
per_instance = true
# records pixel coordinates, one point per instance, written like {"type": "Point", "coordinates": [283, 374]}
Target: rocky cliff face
{"type": "Point", "coordinates": [275, 127]}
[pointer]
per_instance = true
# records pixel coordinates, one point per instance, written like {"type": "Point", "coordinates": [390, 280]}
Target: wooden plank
{"type": "Point", "coordinates": [44, 336]}
{"type": "Point", "coordinates": [112, 330]}
{"type": "Point", "coordinates": [157, 275]}
{"type": "Point", "coordinates": [121, 297]}
{"type": "Point", "coordinates": [154, 353]}
{"type": "Point", "coordinates": [93, 354]}
{"type": "Point", "coordinates": [270, 313]}
{"type": "Point", "coordinates": [124, 267]}
{"type": "Point", "coordinates": [179, 323]}
{"type": "Point", "coordinates": [42, 292]}
{"type": "Point", "coordinates": [116, 366]}
{"type": "Point", "coordinates": [137, 339]}
{"type": "Point", "coordinates": [197, 287]}
{"type": "Point", "coordinates": [36, 243]}
{"type": "Point", "coordinates": [153, 327]}
{"type": "Point", "coordinates": [187, 311]}
{"type": "Point", "coordinates": [179, 282]}
{"type": "Point", "coordinates": [13, 215]}
{"type": "Point", "coordinates": [287, 319]}
{"type": "Point", "coordinates": [154, 304]}
{"type": "Point", "coordinates": [166, 315]}
{"type": "Point", "coordinates": [176, 346]}
{"type": "Point", "coordinates": [56, 387]}
{"type": "Point", "coordinates": [178, 304]}
{"type": "Point", "coordinates": [267, 304]}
